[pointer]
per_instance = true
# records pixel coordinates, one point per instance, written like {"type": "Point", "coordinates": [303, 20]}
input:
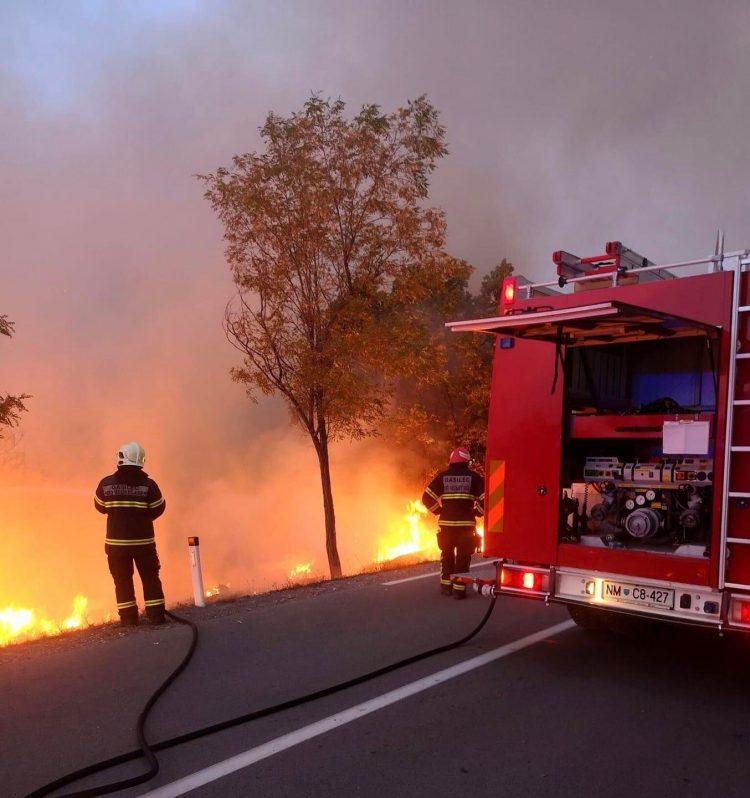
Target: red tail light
{"type": "Point", "coordinates": [526, 580]}
{"type": "Point", "coordinates": [739, 611]}
{"type": "Point", "coordinates": [508, 292]}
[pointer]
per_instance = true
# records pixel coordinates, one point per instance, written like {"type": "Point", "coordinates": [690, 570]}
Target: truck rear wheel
{"type": "Point", "coordinates": [593, 619]}
{"type": "Point", "coordinates": [590, 619]}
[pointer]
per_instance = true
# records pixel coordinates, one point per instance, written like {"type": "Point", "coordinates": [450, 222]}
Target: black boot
{"type": "Point", "coordinates": [459, 590]}
{"type": "Point", "coordinates": [155, 611]}
{"type": "Point", "coordinates": [446, 586]}
{"type": "Point", "coordinates": [129, 617]}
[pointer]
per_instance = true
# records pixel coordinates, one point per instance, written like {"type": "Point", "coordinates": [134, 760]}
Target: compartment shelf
{"type": "Point", "coordinates": [629, 426]}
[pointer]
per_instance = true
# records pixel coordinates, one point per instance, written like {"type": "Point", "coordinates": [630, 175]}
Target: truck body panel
{"type": "Point", "coordinates": [524, 436]}
{"type": "Point", "coordinates": [540, 440]}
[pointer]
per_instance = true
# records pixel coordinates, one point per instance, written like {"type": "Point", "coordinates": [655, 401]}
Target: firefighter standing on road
{"type": "Point", "coordinates": [132, 501]}
{"type": "Point", "coordinates": [456, 496]}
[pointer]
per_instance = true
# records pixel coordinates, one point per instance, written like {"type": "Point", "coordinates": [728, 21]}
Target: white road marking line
{"type": "Point", "coordinates": [210, 774]}
{"type": "Point", "coordinates": [432, 573]}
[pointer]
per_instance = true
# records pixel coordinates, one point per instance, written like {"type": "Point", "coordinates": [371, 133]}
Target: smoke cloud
{"type": "Point", "coordinates": [569, 124]}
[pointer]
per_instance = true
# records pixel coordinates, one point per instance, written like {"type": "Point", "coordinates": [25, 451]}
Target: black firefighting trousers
{"type": "Point", "coordinates": [456, 547]}
{"type": "Point", "coordinates": [121, 568]}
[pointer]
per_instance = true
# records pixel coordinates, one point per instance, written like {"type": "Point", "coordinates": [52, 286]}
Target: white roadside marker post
{"type": "Point", "coordinates": [195, 568]}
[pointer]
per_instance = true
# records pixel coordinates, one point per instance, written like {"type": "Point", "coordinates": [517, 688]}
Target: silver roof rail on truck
{"type": "Point", "coordinates": [715, 262]}
{"type": "Point", "coordinates": [576, 275]}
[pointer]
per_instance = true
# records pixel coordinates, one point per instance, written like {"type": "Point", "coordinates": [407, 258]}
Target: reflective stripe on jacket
{"type": "Point", "coordinates": [131, 500]}
{"type": "Point", "coordinates": [456, 495]}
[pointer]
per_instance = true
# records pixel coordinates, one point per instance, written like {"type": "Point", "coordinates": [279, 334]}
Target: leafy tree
{"type": "Point", "coordinates": [333, 247]}
{"type": "Point", "coordinates": [446, 402]}
{"type": "Point", "coordinates": [11, 407]}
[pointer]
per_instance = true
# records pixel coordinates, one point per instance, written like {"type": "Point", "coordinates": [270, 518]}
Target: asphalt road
{"type": "Point", "coordinates": [546, 710]}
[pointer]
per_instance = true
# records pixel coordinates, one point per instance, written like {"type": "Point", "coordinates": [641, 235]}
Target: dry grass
{"type": "Point", "coordinates": [277, 593]}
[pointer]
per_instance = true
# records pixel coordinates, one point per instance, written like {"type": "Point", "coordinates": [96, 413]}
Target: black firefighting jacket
{"type": "Point", "coordinates": [131, 501]}
{"type": "Point", "coordinates": [456, 495]}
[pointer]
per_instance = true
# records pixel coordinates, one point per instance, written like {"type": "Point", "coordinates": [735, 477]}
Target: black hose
{"type": "Point", "coordinates": [145, 749]}
{"type": "Point", "coordinates": [148, 750]}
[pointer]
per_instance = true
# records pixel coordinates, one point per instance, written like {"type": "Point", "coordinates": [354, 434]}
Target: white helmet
{"type": "Point", "coordinates": [131, 454]}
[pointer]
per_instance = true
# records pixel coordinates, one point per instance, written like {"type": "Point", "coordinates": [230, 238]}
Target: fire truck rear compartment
{"type": "Point", "coordinates": [652, 425]}
{"type": "Point", "coordinates": [638, 445]}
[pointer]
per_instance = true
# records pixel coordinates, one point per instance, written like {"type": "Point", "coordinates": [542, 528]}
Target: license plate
{"type": "Point", "coordinates": [645, 595]}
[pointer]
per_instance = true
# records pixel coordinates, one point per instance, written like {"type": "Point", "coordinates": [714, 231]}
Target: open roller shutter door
{"type": "Point", "coordinates": [588, 325]}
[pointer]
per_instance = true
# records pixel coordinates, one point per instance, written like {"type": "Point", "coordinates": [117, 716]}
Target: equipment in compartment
{"type": "Point", "coordinates": [698, 470]}
{"type": "Point", "coordinates": [693, 470]}
{"type": "Point", "coordinates": [654, 503]}
{"type": "Point", "coordinates": [598, 469]}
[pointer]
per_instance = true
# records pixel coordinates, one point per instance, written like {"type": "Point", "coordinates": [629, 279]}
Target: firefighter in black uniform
{"type": "Point", "coordinates": [131, 501]}
{"type": "Point", "coordinates": [456, 496]}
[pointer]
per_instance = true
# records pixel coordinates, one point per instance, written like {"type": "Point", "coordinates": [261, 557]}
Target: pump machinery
{"type": "Point", "coordinates": [664, 503]}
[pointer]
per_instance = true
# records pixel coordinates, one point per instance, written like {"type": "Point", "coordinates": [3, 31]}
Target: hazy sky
{"type": "Point", "coordinates": [569, 124]}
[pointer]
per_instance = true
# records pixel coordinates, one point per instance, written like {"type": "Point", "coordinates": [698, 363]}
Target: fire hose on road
{"type": "Point", "coordinates": [149, 750]}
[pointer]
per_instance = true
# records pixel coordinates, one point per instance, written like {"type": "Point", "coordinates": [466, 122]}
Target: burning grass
{"type": "Point", "coordinates": [18, 624]}
{"type": "Point", "coordinates": [409, 540]}
{"type": "Point", "coordinates": [413, 534]}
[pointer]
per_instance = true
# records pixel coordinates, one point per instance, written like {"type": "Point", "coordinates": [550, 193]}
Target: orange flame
{"type": "Point", "coordinates": [21, 623]}
{"type": "Point", "coordinates": [414, 534]}
{"type": "Point", "coordinates": [304, 569]}
{"type": "Point", "coordinates": [411, 534]}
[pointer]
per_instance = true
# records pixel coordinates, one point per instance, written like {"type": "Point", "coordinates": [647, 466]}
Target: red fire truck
{"type": "Point", "coordinates": [618, 450]}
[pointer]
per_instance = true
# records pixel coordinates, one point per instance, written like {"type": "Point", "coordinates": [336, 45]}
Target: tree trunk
{"type": "Point", "coordinates": [334, 563]}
